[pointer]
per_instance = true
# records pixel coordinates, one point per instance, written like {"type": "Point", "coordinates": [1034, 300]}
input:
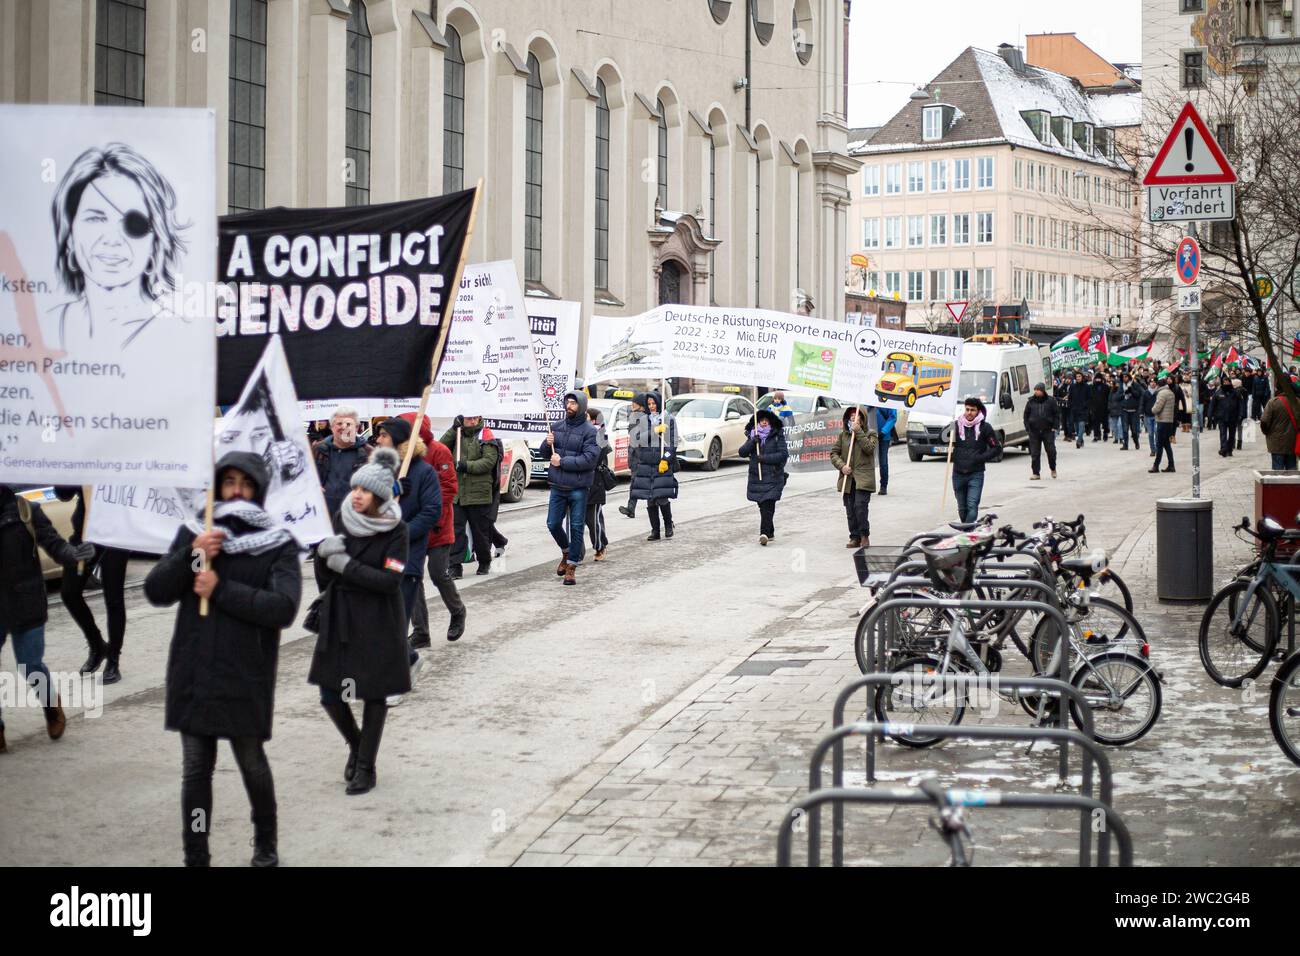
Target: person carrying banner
{"type": "Point", "coordinates": [111, 563]}
{"type": "Point", "coordinates": [24, 607]}
{"type": "Point", "coordinates": [221, 667]}
{"type": "Point", "coordinates": [601, 482]}
{"type": "Point", "coordinates": [766, 450]}
{"type": "Point", "coordinates": [886, 433]}
{"type": "Point", "coordinates": [654, 478]}
{"type": "Point", "coordinates": [339, 455]}
{"type": "Point", "coordinates": [1040, 424]}
{"type": "Point", "coordinates": [974, 444]}
{"type": "Point", "coordinates": [361, 649]}
{"type": "Point", "coordinates": [854, 457]}
{"type": "Point", "coordinates": [573, 451]}
{"type": "Point", "coordinates": [638, 434]}
{"type": "Point", "coordinates": [477, 463]}
{"type": "Point", "coordinates": [440, 541]}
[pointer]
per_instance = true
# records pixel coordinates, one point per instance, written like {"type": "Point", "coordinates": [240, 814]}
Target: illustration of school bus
{"type": "Point", "coordinates": [908, 376]}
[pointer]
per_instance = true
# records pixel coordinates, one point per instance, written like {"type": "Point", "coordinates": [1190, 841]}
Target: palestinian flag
{"type": "Point", "coordinates": [1102, 348]}
{"type": "Point", "coordinates": [1216, 369]}
{"type": "Point", "coordinates": [1233, 357]}
{"type": "Point", "coordinates": [1134, 353]}
{"type": "Point", "coordinates": [1075, 340]}
{"type": "Point", "coordinates": [1295, 346]}
{"type": "Point", "coordinates": [1164, 372]}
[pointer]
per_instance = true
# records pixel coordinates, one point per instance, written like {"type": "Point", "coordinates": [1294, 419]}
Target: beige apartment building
{"type": "Point", "coordinates": [1003, 184]}
{"type": "Point", "coordinates": [632, 153]}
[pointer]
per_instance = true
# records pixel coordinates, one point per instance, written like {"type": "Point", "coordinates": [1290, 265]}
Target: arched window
{"type": "Point", "coordinates": [602, 185]}
{"type": "Point", "coordinates": [802, 30]}
{"type": "Point", "coordinates": [453, 114]}
{"type": "Point", "coordinates": [246, 168]}
{"type": "Point", "coordinates": [719, 9]}
{"type": "Point", "coordinates": [357, 191]}
{"type": "Point", "coordinates": [663, 154]}
{"type": "Point", "coordinates": [533, 173]}
{"type": "Point", "coordinates": [119, 53]}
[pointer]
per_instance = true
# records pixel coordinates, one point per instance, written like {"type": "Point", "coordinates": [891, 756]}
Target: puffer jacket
{"type": "Point", "coordinates": [23, 603]}
{"type": "Point", "coordinates": [648, 482]}
{"type": "Point", "coordinates": [1164, 405]}
{"type": "Point", "coordinates": [858, 451]}
{"type": "Point", "coordinates": [482, 459]}
{"type": "Point", "coordinates": [766, 483]}
{"type": "Point", "coordinates": [439, 458]}
{"type": "Point", "coordinates": [577, 446]}
{"type": "Point", "coordinates": [1040, 414]}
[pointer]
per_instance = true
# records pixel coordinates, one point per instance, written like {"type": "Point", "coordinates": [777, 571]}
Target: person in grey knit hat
{"type": "Point", "coordinates": [377, 477]}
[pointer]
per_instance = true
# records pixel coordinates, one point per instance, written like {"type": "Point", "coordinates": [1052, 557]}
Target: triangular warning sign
{"type": "Point", "coordinates": [1190, 156]}
{"type": "Point", "coordinates": [956, 310]}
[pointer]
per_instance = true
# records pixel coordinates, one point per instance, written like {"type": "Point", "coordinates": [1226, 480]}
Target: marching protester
{"type": "Point", "coordinates": [654, 478]}
{"type": "Point", "coordinates": [1131, 405]}
{"type": "Point", "coordinates": [573, 451]}
{"type": "Point", "coordinates": [1098, 402]}
{"type": "Point", "coordinates": [601, 482]}
{"type": "Point", "coordinates": [1163, 410]}
{"type": "Point", "coordinates": [221, 667]}
{"type": "Point", "coordinates": [1227, 410]}
{"type": "Point", "coordinates": [886, 435]}
{"type": "Point", "coordinates": [1040, 424]}
{"type": "Point", "coordinates": [1182, 404]}
{"type": "Point", "coordinates": [637, 435]}
{"type": "Point", "coordinates": [111, 564]}
{"type": "Point", "coordinates": [339, 455]}
{"type": "Point", "coordinates": [854, 458]}
{"type": "Point", "coordinates": [361, 650]}
{"type": "Point", "coordinates": [477, 463]}
{"type": "Point", "coordinates": [1279, 424]}
{"type": "Point", "coordinates": [1243, 407]}
{"type": "Point", "coordinates": [1148, 415]}
{"type": "Point", "coordinates": [1080, 395]}
{"type": "Point", "coordinates": [1259, 396]}
{"type": "Point", "coordinates": [1115, 411]}
{"type": "Point", "coordinates": [974, 444]}
{"type": "Point", "coordinates": [765, 447]}
{"type": "Point", "coordinates": [24, 608]}
{"type": "Point", "coordinates": [1061, 392]}
{"type": "Point", "coordinates": [440, 541]}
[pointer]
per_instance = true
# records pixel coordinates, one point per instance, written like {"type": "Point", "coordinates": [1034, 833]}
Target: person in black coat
{"type": "Point", "coordinates": [1227, 413]}
{"type": "Point", "coordinates": [1259, 396]}
{"type": "Point", "coordinates": [655, 464]}
{"type": "Point", "coordinates": [111, 564]}
{"type": "Point", "coordinates": [361, 650]}
{"type": "Point", "coordinates": [1080, 396]}
{"type": "Point", "coordinates": [24, 608]}
{"type": "Point", "coordinates": [1098, 402]}
{"type": "Point", "coordinates": [597, 494]}
{"type": "Point", "coordinates": [974, 444]}
{"type": "Point", "coordinates": [572, 449]}
{"type": "Point", "coordinates": [765, 447]}
{"type": "Point", "coordinates": [1130, 405]}
{"type": "Point", "coordinates": [1040, 424]}
{"type": "Point", "coordinates": [221, 666]}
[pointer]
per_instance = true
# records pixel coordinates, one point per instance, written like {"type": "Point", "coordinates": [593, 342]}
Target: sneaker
{"type": "Point", "coordinates": [498, 551]}
{"type": "Point", "coordinates": [416, 668]}
{"type": "Point", "coordinates": [626, 512]}
{"type": "Point", "coordinates": [1035, 477]}
{"type": "Point", "coordinates": [394, 701]}
{"type": "Point", "coordinates": [763, 539]}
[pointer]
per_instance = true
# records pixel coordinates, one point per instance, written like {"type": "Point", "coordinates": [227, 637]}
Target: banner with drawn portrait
{"type": "Point", "coordinates": [107, 365]}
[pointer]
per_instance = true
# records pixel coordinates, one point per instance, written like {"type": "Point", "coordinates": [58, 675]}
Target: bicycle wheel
{"type": "Point", "coordinates": [1123, 693]}
{"type": "Point", "coordinates": [1111, 580]}
{"type": "Point", "coordinates": [1284, 708]}
{"type": "Point", "coordinates": [1107, 620]}
{"type": "Point", "coordinates": [1042, 645]}
{"type": "Point", "coordinates": [1281, 598]}
{"type": "Point", "coordinates": [919, 698]}
{"type": "Point", "coordinates": [1234, 654]}
{"type": "Point", "coordinates": [913, 631]}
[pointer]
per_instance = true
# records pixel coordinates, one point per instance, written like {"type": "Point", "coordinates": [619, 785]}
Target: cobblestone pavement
{"type": "Point", "coordinates": [706, 779]}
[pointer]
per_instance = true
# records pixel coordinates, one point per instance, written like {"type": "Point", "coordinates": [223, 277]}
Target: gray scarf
{"type": "Point", "coordinates": [360, 525]}
{"type": "Point", "coordinates": [267, 537]}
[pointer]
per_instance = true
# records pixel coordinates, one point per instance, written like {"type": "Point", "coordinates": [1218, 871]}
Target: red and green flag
{"type": "Point", "coordinates": [1233, 357]}
{"type": "Point", "coordinates": [1074, 340]}
{"type": "Point", "coordinates": [1134, 353]}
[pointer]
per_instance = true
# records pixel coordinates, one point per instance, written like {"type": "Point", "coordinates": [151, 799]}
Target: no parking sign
{"type": "Point", "coordinates": [1187, 260]}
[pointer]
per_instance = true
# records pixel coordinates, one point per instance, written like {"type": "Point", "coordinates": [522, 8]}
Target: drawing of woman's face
{"type": "Point", "coordinates": [112, 239]}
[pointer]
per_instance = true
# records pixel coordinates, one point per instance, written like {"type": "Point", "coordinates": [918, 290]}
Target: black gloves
{"type": "Point", "coordinates": [462, 467]}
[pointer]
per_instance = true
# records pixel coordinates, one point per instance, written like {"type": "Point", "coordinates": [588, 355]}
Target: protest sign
{"type": "Point", "coordinates": [264, 421]}
{"type": "Point", "coordinates": [106, 369]}
{"type": "Point", "coordinates": [358, 293]}
{"type": "Point", "coordinates": [1078, 358]}
{"type": "Point", "coordinates": [555, 326]}
{"type": "Point", "coordinates": [625, 348]}
{"type": "Point", "coordinates": [488, 367]}
{"type": "Point", "coordinates": [810, 438]}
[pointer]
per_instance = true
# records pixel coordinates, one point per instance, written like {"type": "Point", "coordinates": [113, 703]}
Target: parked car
{"type": "Point", "coordinates": [806, 404]}
{"type": "Point", "coordinates": [514, 460]}
{"type": "Point", "coordinates": [59, 512]}
{"type": "Point", "coordinates": [710, 426]}
{"type": "Point", "coordinates": [615, 412]}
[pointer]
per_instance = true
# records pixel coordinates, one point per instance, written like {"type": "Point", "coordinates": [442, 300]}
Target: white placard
{"type": "Point", "coordinates": [555, 326]}
{"type": "Point", "coordinates": [108, 243]}
{"type": "Point", "coordinates": [1189, 298]}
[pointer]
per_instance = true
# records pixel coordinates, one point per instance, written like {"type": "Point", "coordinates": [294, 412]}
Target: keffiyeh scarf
{"type": "Point", "coordinates": [247, 526]}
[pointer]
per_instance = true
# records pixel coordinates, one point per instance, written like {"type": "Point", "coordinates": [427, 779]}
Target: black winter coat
{"type": "Point", "coordinates": [1098, 397]}
{"type": "Point", "coordinates": [1115, 402]}
{"type": "Point", "coordinates": [22, 586]}
{"type": "Point", "coordinates": [1227, 406]}
{"type": "Point", "coordinates": [1148, 401]}
{"type": "Point", "coordinates": [647, 482]}
{"type": "Point", "coordinates": [773, 454]}
{"type": "Point", "coordinates": [1133, 397]}
{"type": "Point", "coordinates": [596, 495]}
{"type": "Point", "coordinates": [1040, 414]}
{"type": "Point", "coordinates": [221, 668]}
{"type": "Point", "coordinates": [1080, 394]}
{"type": "Point", "coordinates": [421, 511]}
{"type": "Point", "coordinates": [969, 454]}
{"type": "Point", "coordinates": [362, 636]}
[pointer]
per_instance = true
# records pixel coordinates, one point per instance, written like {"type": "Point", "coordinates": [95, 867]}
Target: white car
{"type": "Point", "coordinates": [710, 426]}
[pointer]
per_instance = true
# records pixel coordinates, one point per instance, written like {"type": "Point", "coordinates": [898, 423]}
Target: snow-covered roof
{"type": "Point", "coordinates": [1117, 109]}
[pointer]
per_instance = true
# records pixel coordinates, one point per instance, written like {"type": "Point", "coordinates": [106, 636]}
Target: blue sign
{"type": "Point", "coordinates": [1187, 260]}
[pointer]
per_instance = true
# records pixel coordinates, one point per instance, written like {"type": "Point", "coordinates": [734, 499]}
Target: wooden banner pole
{"type": "Point", "coordinates": [438, 349]}
{"type": "Point", "coordinates": [947, 471]}
{"type": "Point", "coordinates": [203, 558]}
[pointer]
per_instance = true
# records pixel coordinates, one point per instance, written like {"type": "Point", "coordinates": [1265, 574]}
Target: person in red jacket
{"type": "Point", "coordinates": [441, 539]}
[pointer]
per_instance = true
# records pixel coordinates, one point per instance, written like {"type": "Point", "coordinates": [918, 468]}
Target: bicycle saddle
{"type": "Point", "coordinates": [1269, 529]}
{"type": "Point", "coordinates": [1083, 567]}
{"type": "Point", "coordinates": [963, 525]}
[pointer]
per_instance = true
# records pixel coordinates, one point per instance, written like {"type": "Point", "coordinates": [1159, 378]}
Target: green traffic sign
{"type": "Point", "coordinates": [1264, 287]}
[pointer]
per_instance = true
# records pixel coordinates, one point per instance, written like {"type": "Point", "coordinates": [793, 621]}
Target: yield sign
{"type": "Point", "coordinates": [956, 310]}
{"type": "Point", "coordinates": [1189, 156]}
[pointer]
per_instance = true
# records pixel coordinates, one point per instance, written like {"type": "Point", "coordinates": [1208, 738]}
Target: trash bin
{"type": "Point", "coordinates": [1277, 496]}
{"type": "Point", "coordinates": [1184, 549]}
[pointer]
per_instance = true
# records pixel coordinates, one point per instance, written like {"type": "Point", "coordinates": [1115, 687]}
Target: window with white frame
{"type": "Point", "coordinates": [871, 180]}
{"type": "Point", "coordinates": [1053, 235]}
{"type": "Point", "coordinates": [939, 229]}
{"type": "Point", "coordinates": [1020, 173]}
{"type": "Point", "coordinates": [984, 227]}
{"type": "Point", "coordinates": [893, 179]}
{"type": "Point", "coordinates": [1042, 230]}
{"type": "Point", "coordinates": [893, 283]}
{"type": "Point", "coordinates": [984, 283]}
{"type": "Point", "coordinates": [960, 228]}
{"type": "Point", "coordinates": [938, 285]}
{"type": "Point", "coordinates": [984, 172]}
{"type": "Point", "coordinates": [1074, 228]}
{"type": "Point", "coordinates": [932, 123]}
{"type": "Point", "coordinates": [916, 177]}
{"type": "Point", "coordinates": [915, 285]}
{"type": "Point", "coordinates": [915, 231]}
{"type": "Point", "coordinates": [1029, 230]}
{"type": "Point", "coordinates": [938, 175]}
{"type": "Point", "coordinates": [873, 281]}
{"type": "Point", "coordinates": [1042, 177]}
{"type": "Point", "coordinates": [893, 232]}
{"type": "Point", "coordinates": [961, 174]}
{"type": "Point", "coordinates": [1017, 277]}
{"type": "Point", "coordinates": [1029, 182]}
{"type": "Point", "coordinates": [1020, 228]}
{"type": "Point", "coordinates": [960, 284]}
{"type": "Point", "coordinates": [871, 234]}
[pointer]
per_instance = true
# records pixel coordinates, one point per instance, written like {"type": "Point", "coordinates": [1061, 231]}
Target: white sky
{"type": "Point", "coordinates": [895, 47]}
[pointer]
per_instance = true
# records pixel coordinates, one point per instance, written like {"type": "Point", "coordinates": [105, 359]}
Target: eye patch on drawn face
{"type": "Point", "coordinates": [136, 224]}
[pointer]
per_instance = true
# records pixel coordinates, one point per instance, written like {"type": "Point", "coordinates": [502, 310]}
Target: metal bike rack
{"type": "Point", "coordinates": [988, 798]}
{"type": "Point", "coordinates": [874, 730]}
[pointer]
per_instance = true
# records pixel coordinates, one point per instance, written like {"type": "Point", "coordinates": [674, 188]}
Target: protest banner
{"type": "Point", "coordinates": [488, 368]}
{"type": "Point", "coordinates": [358, 293]}
{"type": "Point", "coordinates": [1064, 359]}
{"type": "Point", "coordinates": [264, 421]}
{"type": "Point", "coordinates": [107, 370]}
{"type": "Point", "coordinates": [810, 438]}
{"type": "Point", "coordinates": [555, 326]}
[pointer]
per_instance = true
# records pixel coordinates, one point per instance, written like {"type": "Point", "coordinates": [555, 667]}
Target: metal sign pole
{"type": "Point", "coordinates": [1193, 319]}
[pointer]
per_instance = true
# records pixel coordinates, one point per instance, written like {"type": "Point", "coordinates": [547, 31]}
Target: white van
{"type": "Point", "coordinates": [1000, 370]}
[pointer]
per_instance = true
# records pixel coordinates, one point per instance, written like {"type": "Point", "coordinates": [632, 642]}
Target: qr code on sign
{"type": "Point", "coordinates": [553, 388]}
